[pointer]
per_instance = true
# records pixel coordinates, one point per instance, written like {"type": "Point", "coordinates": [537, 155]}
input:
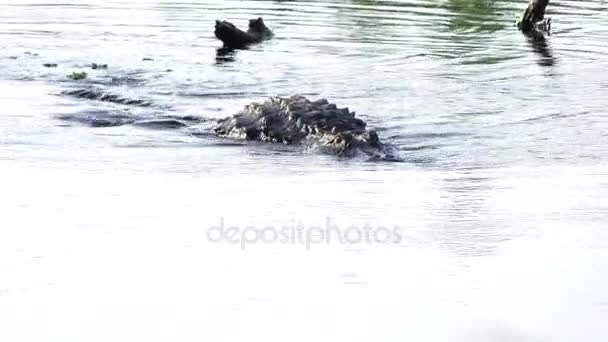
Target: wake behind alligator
{"type": "Point", "coordinates": [316, 125]}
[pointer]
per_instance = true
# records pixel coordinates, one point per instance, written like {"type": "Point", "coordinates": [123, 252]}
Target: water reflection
{"type": "Point", "coordinates": [539, 45]}
{"type": "Point", "coordinates": [473, 15]}
{"type": "Point", "coordinates": [465, 29]}
{"type": "Point", "coordinates": [224, 55]}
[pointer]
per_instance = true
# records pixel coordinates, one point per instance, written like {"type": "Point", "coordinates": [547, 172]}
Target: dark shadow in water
{"type": "Point", "coordinates": [538, 42]}
{"type": "Point", "coordinates": [225, 55]}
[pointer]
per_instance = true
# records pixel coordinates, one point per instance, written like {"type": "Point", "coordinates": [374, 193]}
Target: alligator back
{"type": "Point", "coordinates": [297, 120]}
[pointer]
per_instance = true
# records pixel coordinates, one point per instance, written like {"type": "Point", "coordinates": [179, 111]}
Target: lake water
{"type": "Point", "coordinates": [492, 229]}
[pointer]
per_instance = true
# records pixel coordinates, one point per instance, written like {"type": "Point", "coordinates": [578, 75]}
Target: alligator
{"type": "Point", "coordinates": [235, 38]}
{"type": "Point", "coordinates": [533, 18]}
{"type": "Point", "coordinates": [100, 95]}
{"type": "Point", "coordinates": [317, 125]}
{"type": "Point", "coordinates": [104, 118]}
{"type": "Point", "coordinates": [297, 120]}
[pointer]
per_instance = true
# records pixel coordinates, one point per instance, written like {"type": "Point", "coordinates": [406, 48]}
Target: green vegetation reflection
{"type": "Point", "coordinates": [473, 15]}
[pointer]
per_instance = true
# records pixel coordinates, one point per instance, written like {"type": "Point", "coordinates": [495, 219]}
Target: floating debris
{"type": "Point", "coordinates": [236, 38]}
{"type": "Point", "coordinates": [77, 75]}
{"type": "Point", "coordinates": [533, 17]}
{"type": "Point", "coordinates": [49, 65]}
{"type": "Point", "coordinates": [95, 66]}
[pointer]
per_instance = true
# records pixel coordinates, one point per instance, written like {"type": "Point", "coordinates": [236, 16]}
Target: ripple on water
{"type": "Point", "coordinates": [398, 63]}
{"type": "Point", "coordinates": [501, 197]}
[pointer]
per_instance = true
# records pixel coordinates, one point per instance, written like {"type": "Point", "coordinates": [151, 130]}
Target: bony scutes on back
{"type": "Point", "coordinates": [295, 120]}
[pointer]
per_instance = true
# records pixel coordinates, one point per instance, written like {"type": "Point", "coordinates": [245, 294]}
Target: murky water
{"type": "Point", "coordinates": [492, 229]}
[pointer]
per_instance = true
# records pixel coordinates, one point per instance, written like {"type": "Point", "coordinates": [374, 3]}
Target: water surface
{"type": "Point", "coordinates": [502, 198]}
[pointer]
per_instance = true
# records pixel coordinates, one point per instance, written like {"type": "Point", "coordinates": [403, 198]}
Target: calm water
{"type": "Point", "coordinates": [501, 201]}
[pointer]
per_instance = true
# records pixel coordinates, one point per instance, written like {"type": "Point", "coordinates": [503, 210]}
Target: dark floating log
{"type": "Point", "coordinates": [533, 17]}
{"type": "Point", "coordinates": [233, 37]}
